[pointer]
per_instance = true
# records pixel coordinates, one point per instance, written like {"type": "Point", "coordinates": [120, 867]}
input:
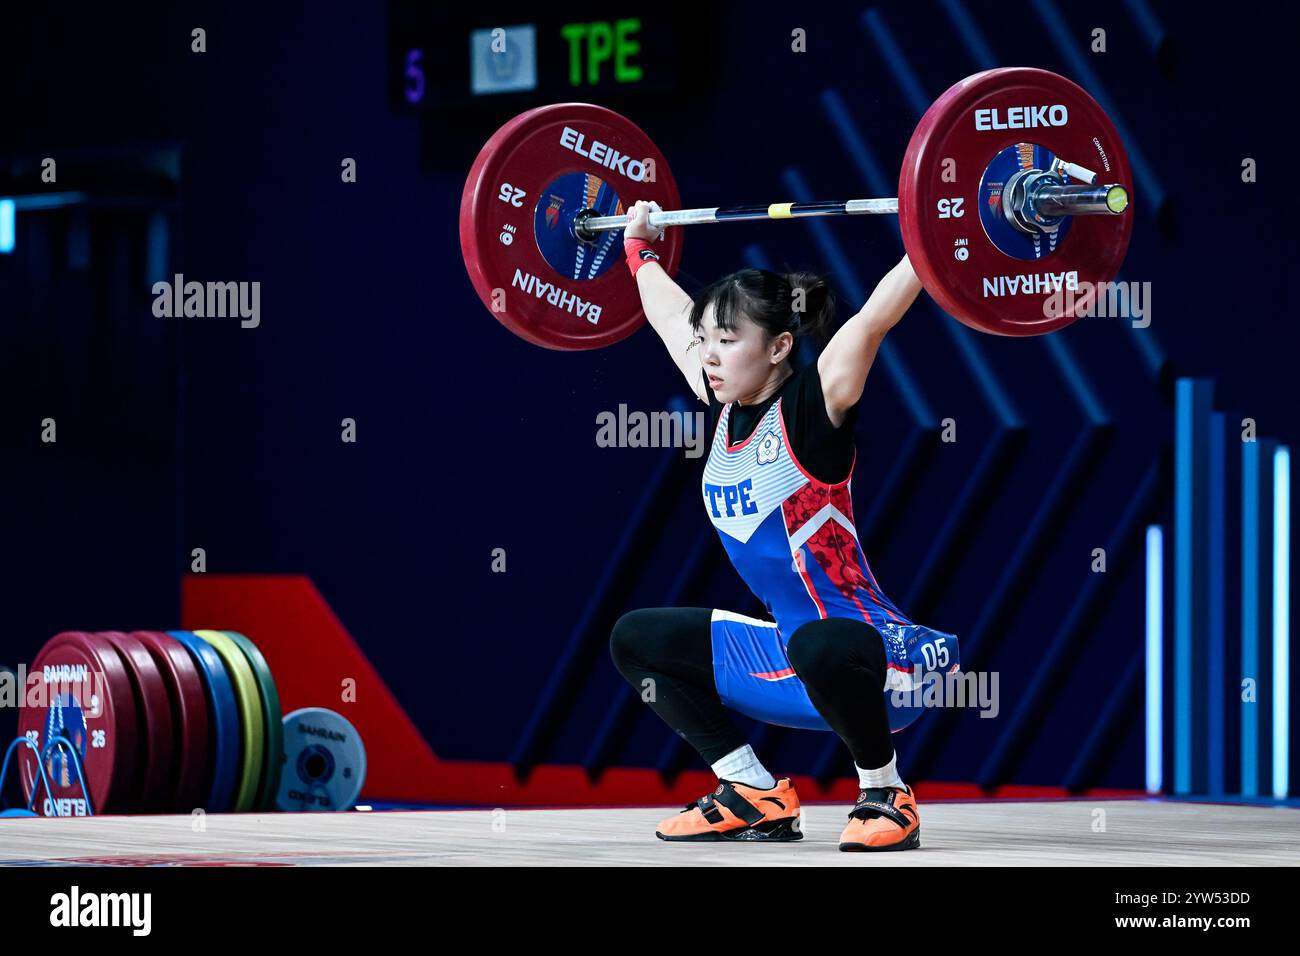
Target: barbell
{"type": "Point", "coordinates": [1014, 187]}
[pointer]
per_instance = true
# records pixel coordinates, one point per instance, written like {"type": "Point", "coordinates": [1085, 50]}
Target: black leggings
{"type": "Point", "coordinates": [840, 661]}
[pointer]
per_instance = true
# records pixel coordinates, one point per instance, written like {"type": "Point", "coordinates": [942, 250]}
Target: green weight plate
{"type": "Point", "coordinates": [274, 721]}
{"type": "Point", "coordinates": [252, 723]}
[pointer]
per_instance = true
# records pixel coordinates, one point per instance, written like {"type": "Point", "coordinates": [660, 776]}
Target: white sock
{"type": "Point", "coordinates": [742, 766]}
{"type": "Point", "coordinates": [886, 776]}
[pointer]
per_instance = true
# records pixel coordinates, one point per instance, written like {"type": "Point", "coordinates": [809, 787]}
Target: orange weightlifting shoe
{"type": "Point", "coordinates": [884, 818]}
{"type": "Point", "coordinates": [737, 811]}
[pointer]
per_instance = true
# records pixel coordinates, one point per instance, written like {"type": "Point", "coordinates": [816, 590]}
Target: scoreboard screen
{"type": "Point", "coordinates": [450, 60]}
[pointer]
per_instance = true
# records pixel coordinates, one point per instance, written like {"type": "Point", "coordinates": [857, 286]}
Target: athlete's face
{"type": "Point", "coordinates": [740, 361]}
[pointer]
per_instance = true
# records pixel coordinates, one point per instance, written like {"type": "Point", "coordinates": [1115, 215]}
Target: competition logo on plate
{"type": "Point", "coordinates": [64, 719]}
{"type": "Point", "coordinates": [1001, 233]}
{"type": "Point", "coordinates": [557, 206]}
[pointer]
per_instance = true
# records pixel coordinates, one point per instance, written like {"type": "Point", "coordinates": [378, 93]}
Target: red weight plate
{"type": "Point", "coordinates": [154, 712]}
{"type": "Point", "coordinates": [960, 265]}
{"type": "Point", "coordinates": [78, 685]}
{"type": "Point", "coordinates": [190, 767]}
{"type": "Point", "coordinates": [523, 191]}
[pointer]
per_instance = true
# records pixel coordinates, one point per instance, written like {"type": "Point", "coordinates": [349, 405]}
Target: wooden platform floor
{"type": "Point", "coordinates": [1012, 833]}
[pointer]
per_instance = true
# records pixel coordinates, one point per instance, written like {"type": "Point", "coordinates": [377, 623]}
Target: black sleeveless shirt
{"type": "Point", "coordinates": [826, 452]}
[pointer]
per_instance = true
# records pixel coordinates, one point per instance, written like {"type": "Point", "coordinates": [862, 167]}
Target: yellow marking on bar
{"type": "Point", "coordinates": [779, 210]}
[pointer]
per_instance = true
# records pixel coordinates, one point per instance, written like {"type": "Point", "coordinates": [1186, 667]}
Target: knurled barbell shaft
{"type": "Point", "coordinates": [1083, 201]}
{"type": "Point", "coordinates": [587, 227]}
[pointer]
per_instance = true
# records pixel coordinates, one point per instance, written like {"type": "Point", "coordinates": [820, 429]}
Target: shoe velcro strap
{"type": "Point", "coordinates": [711, 813]}
{"type": "Point", "coordinates": [727, 796]}
{"type": "Point", "coordinates": [876, 802]}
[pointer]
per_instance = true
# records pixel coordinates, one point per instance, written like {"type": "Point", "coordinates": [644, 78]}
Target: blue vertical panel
{"type": "Point", "coordinates": [1217, 625]}
{"type": "Point", "coordinates": [1256, 611]}
{"type": "Point", "coordinates": [79, 240]}
{"type": "Point", "coordinates": [156, 263]}
{"type": "Point", "coordinates": [1249, 609]}
{"type": "Point", "coordinates": [1229, 678]}
{"type": "Point", "coordinates": [1155, 667]}
{"type": "Point", "coordinates": [7, 226]}
{"type": "Point", "coordinates": [1281, 620]}
{"type": "Point", "coordinates": [1191, 592]}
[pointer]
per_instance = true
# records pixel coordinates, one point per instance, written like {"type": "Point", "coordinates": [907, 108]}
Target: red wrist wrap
{"type": "Point", "coordinates": [639, 252]}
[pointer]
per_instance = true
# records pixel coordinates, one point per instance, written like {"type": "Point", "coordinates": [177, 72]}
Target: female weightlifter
{"type": "Point", "coordinates": [776, 486]}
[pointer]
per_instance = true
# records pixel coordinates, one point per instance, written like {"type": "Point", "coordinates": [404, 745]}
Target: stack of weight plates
{"type": "Point", "coordinates": [164, 722]}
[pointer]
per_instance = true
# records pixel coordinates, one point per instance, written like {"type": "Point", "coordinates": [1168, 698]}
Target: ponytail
{"type": "Point", "coordinates": [812, 305]}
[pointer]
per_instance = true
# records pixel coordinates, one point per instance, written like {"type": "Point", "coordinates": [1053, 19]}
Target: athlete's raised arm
{"type": "Point", "coordinates": [848, 356]}
{"type": "Point", "coordinates": [666, 304]}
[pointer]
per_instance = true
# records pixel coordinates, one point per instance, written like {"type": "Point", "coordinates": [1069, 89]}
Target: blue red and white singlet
{"type": "Point", "coordinates": [791, 537]}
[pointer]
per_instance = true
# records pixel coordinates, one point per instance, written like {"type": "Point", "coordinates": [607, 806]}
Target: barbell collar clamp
{"type": "Point", "coordinates": [1053, 200]}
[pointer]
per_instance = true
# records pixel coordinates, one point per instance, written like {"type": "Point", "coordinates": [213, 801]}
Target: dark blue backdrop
{"type": "Point", "coordinates": [176, 434]}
